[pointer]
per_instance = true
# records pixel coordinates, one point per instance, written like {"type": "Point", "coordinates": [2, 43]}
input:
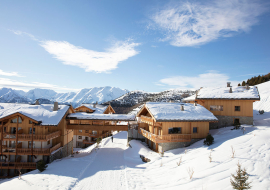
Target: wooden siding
{"type": "Point", "coordinates": [246, 107]}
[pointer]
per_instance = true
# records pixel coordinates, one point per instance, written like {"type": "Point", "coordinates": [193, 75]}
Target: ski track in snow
{"type": "Point", "coordinates": [111, 171]}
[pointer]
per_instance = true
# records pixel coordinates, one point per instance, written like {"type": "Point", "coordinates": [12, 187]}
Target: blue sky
{"type": "Point", "coordinates": [135, 45]}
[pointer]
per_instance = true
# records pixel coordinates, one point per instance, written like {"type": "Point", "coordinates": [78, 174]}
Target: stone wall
{"type": "Point", "coordinates": [64, 151]}
{"type": "Point", "coordinates": [174, 145]}
{"type": "Point", "coordinates": [225, 121]}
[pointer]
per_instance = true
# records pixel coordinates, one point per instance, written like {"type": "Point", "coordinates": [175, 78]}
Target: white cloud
{"type": "Point", "coordinates": [209, 79]}
{"type": "Point", "coordinates": [20, 33]}
{"type": "Point", "coordinates": [199, 22]}
{"type": "Point", "coordinates": [5, 82]}
{"type": "Point", "coordinates": [91, 60]}
{"type": "Point", "coordinates": [4, 73]}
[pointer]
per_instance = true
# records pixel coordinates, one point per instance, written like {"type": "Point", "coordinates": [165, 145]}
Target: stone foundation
{"type": "Point", "coordinates": [225, 121]}
{"type": "Point", "coordinates": [174, 145]}
{"type": "Point", "coordinates": [64, 151]}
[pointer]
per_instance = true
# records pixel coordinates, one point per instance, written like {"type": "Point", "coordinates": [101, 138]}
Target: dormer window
{"type": "Point", "coordinates": [15, 120]}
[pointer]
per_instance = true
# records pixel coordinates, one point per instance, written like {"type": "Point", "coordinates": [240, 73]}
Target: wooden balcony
{"type": "Point", "coordinates": [150, 121]}
{"type": "Point", "coordinates": [88, 142]}
{"type": "Point", "coordinates": [28, 137]}
{"type": "Point", "coordinates": [18, 165]}
{"type": "Point", "coordinates": [95, 126]}
{"type": "Point", "coordinates": [165, 138]}
{"type": "Point", "coordinates": [28, 151]}
{"type": "Point", "coordinates": [147, 120]}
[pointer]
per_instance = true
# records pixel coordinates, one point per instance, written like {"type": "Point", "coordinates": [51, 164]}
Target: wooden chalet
{"type": "Point", "coordinates": [173, 125]}
{"type": "Point", "coordinates": [229, 104]}
{"type": "Point", "coordinates": [30, 133]}
{"type": "Point", "coordinates": [89, 123]}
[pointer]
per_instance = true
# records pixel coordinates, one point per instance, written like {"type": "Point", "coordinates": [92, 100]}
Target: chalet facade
{"type": "Point", "coordinates": [229, 104]}
{"type": "Point", "coordinates": [85, 138]}
{"type": "Point", "coordinates": [173, 125]}
{"type": "Point", "coordinates": [30, 133]}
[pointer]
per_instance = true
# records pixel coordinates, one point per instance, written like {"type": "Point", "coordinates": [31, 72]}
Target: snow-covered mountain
{"type": "Point", "coordinates": [91, 95]}
{"type": "Point", "coordinates": [136, 97]}
{"type": "Point", "coordinates": [8, 95]}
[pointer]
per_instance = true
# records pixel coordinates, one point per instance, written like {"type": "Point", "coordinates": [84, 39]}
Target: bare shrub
{"type": "Point", "coordinates": [190, 172]}
{"type": "Point", "coordinates": [180, 161]}
{"type": "Point", "coordinates": [233, 151]}
{"type": "Point", "coordinates": [210, 157]}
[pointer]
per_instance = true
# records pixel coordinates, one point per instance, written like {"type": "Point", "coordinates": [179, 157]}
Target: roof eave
{"type": "Point", "coordinates": [175, 120]}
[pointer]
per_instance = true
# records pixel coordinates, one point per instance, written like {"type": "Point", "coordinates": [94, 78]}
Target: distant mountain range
{"type": "Point", "coordinates": [91, 95]}
{"type": "Point", "coordinates": [122, 100]}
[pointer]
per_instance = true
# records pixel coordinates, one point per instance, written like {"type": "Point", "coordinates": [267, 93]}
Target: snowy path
{"type": "Point", "coordinates": [107, 171]}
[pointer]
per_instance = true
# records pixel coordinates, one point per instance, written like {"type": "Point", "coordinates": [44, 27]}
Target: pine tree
{"type": "Point", "coordinates": [243, 83]}
{"type": "Point", "coordinates": [99, 139]}
{"type": "Point", "coordinates": [239, 180]}
{"type": "Point", "coordinates": [208, 140]}
{"type": "Point", "coordinates": [239, 84]}
{"type": "Point", "coordinates": [41, 166]}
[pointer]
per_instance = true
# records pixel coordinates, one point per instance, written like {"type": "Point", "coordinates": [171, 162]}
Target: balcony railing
{"type": "Point", "coordinates": [36, 151]}
{"type": "Point", "coordinates": [18, 165]}
{"type": "Point", "coordinates": [165, 138]}
{"type": "Point", "coordinates": [88, 142]}
{"type": "Point", "coordinates": [28, 137]}
{"type": "Point", "coordinates": [146, 119]}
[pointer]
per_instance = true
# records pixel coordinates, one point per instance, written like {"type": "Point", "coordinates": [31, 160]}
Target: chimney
{"type": "Point", "coordinates": [228, 84]}
{"type": "Point", "coordinates": [182, 107]}
{"type": "Point", "coordinates": [94, 105]}
{"type": "Point", "coordinates": [37, 102]}
{"type": "Point", "coordinates": [230, 90]}
{"type": "Point", "coordinates": [247, 86]}
{"type": "Point", "coordinates": [55, 106]}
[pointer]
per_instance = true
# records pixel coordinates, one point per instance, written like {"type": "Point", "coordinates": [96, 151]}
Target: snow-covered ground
{"type": "Point", "coordinates": [116, 166]}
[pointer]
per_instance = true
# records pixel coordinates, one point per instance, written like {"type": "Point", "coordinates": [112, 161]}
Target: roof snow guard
{"type": "Point", "coordinates": [223, 93]}
{"type": "Point", "coordinates": [109, 117]}
{"type": "Point", "coordinates": [172, 112]}
{"type": "Point", "coordinates": [43, 113]}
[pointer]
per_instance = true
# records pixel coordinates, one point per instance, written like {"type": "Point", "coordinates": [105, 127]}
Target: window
{"type": "Point", "coordinates": [94, 132]}
{"type": "Point", "coordinates": [195, 129]}
{"type": "Point", "coordinates": [30, 122]}
{"type": "Point", "coordinates": [79, 137]}
{"type": "Point", "coordinates": [30, 144]}
{"type": "Point", "coordinates": [5, 129]}
{"type": "Point", "coordinates": [86, 138]}
{"type": "Point", "coordinates": [87, 131]}
{"type": "Point", "coordinates": [175, 130]}
{"type": "Point", "coordinates": [48, 142]}
{"type": "Point", "coordinates": [30, 130]}
{"type": "Point", "coordinates": [15, 120]}
{"type": "Point", "coordinates": [237, 108]}
{"type": "Point", "coordinates": [80, 131]}
{"type": "Point", "coordinates": [216, 108]}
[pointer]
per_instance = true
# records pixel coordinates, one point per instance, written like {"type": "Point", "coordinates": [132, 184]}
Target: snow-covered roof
{"type": "Point", "coordinates": [172, 112]}
{"type": "Point", "coordinates": [111, 117]}
{"type": "Point", "coordinates": [99, 109]}
{"type": "Point", "coordinates": [42, 113]}
{"type": "Point", "coordinates": [238, 92]}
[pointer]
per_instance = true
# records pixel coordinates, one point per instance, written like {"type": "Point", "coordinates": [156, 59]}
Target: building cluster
{"type": "Point", "coordinates": [29, 133]}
